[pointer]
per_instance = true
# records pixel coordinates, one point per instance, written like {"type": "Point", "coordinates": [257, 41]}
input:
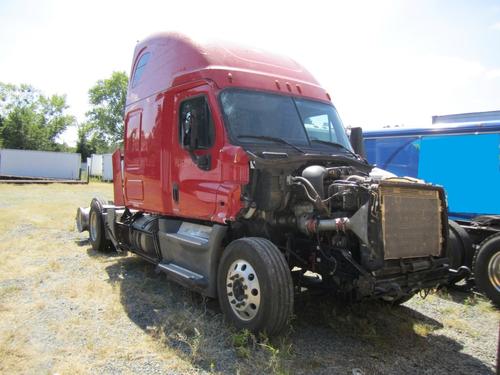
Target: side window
{"type": "Point", "coordinates": [139, 69]}
{"type": "Point", "coordinates": [397, 155]}
{"type": "Point", "coordinates": [133, 136]}
{"type": "Point", "coordinates": [196, 126]}
{"type": "Point", "coordinates": [320, 127]}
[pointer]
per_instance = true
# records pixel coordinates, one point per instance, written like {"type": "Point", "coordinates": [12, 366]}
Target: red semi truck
{"type": "Point", "coordinates": [237, 180]}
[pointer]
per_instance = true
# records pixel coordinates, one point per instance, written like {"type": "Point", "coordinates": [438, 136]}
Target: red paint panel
{"type": "Point", "coordinates": [234, 165]}
{"type": "Point", "coordinates": [145, 130]}
{"type": "Point", "coordinates": [117, 178]}
{"type": "Point", "coordinates": [197, 187]}
{"type": "Point", "coordinates": [134, 189]}
{"type": "Point", "coordinates": [177, 60]}
{"type": "Point", "coordinates": [228, 202]}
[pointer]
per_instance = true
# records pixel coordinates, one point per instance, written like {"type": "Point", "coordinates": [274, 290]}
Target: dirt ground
{"type": "Point", "coordinates": [66, 309]}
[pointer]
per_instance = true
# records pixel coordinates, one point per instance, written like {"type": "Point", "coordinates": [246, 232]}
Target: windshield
{"type": "Point", "coordinates": [296, 121]}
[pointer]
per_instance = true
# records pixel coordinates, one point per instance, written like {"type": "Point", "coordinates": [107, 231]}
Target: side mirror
{"type": "Point", "coordinates": [189, 133]}
{"type": "Point", "coordinates": [357, 143]}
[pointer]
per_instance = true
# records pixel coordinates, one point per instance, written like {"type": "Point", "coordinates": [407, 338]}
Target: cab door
{"type": "Point", "coordinates": [196, 169]}
{"type": "Point", "coordinates": [134, 189]}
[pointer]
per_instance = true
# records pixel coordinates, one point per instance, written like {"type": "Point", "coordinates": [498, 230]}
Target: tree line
{"type": "Point", "coordinates": [30, 120]}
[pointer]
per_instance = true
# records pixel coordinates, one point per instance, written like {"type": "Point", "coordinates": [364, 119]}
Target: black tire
{"type": "Point", "coordinates": [97, 234]}
{"type": "Point", "coordinates": [459, 250]}
{"type": "Point", "coordinates": [273, 280]}
{"type": "Point", "coordinates": [486, 267]}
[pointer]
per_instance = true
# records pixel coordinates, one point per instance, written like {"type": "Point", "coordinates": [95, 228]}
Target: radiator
{"type": "Point", "coordinates": [411, 221]}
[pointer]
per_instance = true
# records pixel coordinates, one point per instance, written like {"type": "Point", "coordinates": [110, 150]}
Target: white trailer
{"type": "Point", "coordinates": [40, 164]}
{"type": "Point", "coordinates": [96, 165]}
{"type": "Point", "coordinates": [107, 167]}
{"type": "Point", "coordinates": [101, 165]}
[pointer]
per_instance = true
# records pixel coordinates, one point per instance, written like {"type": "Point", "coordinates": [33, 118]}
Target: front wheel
{"type": "Point", "coordinates": [486, 268]}
{"type": "Point", "coordinates": [255, 286]}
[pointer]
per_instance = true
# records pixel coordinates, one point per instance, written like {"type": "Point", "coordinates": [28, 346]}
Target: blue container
{"type": "Point", "coordinates": [463, 157]}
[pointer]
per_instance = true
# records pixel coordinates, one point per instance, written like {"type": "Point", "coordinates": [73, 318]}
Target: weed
{"type": "Point", "coordinates": [243, 342]}
{"type": "Point", "coordinates": [486, 306]}
{"type": "Point", "coordinates": [422, 329]}
{"type": "Point", "coordinates": [279, 351]}
{"type": "Point", "coordinates": [470, 300]}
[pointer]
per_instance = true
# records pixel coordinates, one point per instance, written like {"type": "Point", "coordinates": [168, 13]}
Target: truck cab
{"type": "Point", "coordinates": [238, 180]}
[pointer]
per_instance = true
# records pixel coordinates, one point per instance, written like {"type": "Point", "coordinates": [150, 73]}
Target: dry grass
{"type": "Point", "coordinates": [13, 353]}
{"type": "Point", "coordinates": [68, 310]}
{"type": "Point", "coordinates": [48, 280]}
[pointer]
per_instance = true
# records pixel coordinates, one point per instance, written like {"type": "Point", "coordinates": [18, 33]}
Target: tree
{"type": "Point", "coordinates": [12, 96]}
{"type": "Point", "coordinates": [83, 146]}
{"type": "Point", "coordinates": [107, 100]}
{"type": "Point", "coordinates": [31, 120]}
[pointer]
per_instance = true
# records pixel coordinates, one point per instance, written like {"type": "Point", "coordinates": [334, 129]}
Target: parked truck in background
{"type": "Point", "coordinates": [238, 181]}
{"type": "Point", "coordinates": [461, 153]}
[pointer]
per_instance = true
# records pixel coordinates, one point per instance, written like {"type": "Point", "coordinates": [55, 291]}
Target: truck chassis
{"type": "Point", "coordinates": [476, 245]}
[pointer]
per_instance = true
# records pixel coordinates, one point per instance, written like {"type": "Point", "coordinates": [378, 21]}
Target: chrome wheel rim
{"type": "Point", "coordinates": [93, 226]}
{"type": "Point", "coordinates": [243, 289]}
{"type": "Point", "coordinates": [494, 271]}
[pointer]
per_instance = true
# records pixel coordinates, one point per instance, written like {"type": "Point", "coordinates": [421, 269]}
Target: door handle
{"type": "Point", "coordinates": [175, 192]}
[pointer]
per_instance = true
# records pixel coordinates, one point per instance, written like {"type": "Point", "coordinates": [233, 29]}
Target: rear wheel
{"type": "Point", "coordinates": [486, 268]}
{"type": "Point", "coordinates": [97, 232]}
{"type": "Point", "coordinates": [454, 250]}
{"type": "Point", "coordinates": [459, 253]}
{"type": "Point", "coordinates": [255, 286]}
{"type": "Point", "coordinates": [459, 250]}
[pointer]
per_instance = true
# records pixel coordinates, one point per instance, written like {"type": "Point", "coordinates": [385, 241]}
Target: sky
{"type": "Point", "coordinates": [384, 62]}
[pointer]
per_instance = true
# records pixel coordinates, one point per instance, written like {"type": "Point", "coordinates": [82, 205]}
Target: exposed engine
{"type": "Point", "coordinates": [330, 219]}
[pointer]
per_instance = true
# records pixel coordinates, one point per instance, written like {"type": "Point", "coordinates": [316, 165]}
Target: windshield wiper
{"type": "Point", "coordinates": [335, 144]}
{"type": "Point", "coordinates": [273, 139]}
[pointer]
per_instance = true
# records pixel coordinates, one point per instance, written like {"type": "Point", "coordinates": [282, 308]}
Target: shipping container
{"type": "Point", "coordinates": [107, 167]}
{"type": "Point", "coordinates": [101, 165]}
{"type": "Point", "coordinates": [464, 157]}
{"type": "Point", "coordinates": [96, 165]}
{"type": "Point", "coordinates": [40, 164]}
